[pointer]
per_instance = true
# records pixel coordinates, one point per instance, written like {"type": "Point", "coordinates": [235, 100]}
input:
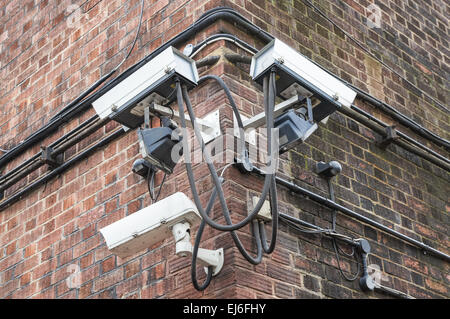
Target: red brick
{"type": "Point", "coordinates": [108, 280]}
{"type": "Point", "coordinates": [436, 286]}
{"type": "Point", "coordinates": [108, 264]}
{"type": "Point", "coordinates": [57, 225]}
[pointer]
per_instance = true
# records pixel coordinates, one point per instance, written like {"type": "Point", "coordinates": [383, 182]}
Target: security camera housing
{"type": "Point", "coordinates": [156, 146]}
{"type": "Point", "coordinates": [150, 225]}
{"type": "Point", "coordinates": [293, 130]}
{"type": "Point", "coordinates": [296, 74]}
{"type": "Point", "coordinates": [153, 82]}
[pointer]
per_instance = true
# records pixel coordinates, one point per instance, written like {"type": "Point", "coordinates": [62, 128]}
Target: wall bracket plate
{"type": "Point", "coordinates": [209, 125]}
{"type": "Point", "coordinates": [259, 120]}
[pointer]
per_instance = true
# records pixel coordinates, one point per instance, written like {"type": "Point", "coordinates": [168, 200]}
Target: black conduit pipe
{"type": "Point", "coordinates": [333, 205]}
{"type": "Point", "coordinates": [17, 196]}
{"type": "Point", "coordinates": [400, 134]}
{"type": "Point", "coordinates": [82, 135]}
{"type": "Point", "coordinates": [402, 119]}
{"type": "Point", "coordinates": [35, 157]}
{"type": "Point", "coordinates": [36, 163]}
{"type": "Point", "coordinates": [381, 129]}
{"type": "Point", "coordinates": [231, 37]}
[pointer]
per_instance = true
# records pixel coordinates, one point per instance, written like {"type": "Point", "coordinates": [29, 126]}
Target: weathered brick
{"type": "Point", "coordinates": [45, 64]}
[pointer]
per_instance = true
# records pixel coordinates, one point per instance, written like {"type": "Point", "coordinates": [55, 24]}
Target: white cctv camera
{"type": "Point", "coordinates": [173, 215]}
{"type": "Point", "coordinates": [152, 82]}
{"type": "Point", "coordinates": [297, 75]}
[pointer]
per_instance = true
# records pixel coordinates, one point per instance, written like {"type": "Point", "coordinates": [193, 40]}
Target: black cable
{"type": "Point", "coordinates": [233, 106]}
{"type": "Point", "coordinates": [160, 187]}
{"type": "Point", "coordinates": [339, 264]}
{"type": "Point", "coordinates": [216, 180]}
{"type": "Point", "coordinates": [135, 38]}
{"type": "Point", "coordinates": [198, 238]}
{"type": "Point", "coordinates": [209, 221]}
{"type": "Point", "coordinates": [257, 229]}
{"type": "Point", "coordinates": [269, 106]}
{"type": "Point", "coordinates": [151, 183]}
{"type": "Point", "coordinates": [305, 230]}
{"type": "Point", "coordinates": [335, 244]}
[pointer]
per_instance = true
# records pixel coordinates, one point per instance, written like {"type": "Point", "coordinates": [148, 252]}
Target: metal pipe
{"type": "Point", "coordinates": [400, 134]}
{"type": "Point", "coordinates": [88, 131]}
{"type": "Point", "coordinates": [333, 205]}
{"type": "Point", "coordinates": [35, 157]}
{"type": "Point", "coordinates": [21, 175]}
{"type": "Point", "coordinates": [17, 196]}
{"type": "Point", "coordinates": [75, 131]}
{"type": "Point", "coordinates": [392, 292]}
{"type": "Point", "coordinates": [17, 169]}
{"type": "Point", "coordinates": [34, 163]}
{"type": "Point", "coordinates": [223, 36]}
{"type": "Point", "coordinates": [422, 131]}
{"type": "Point", "coordinates": [426, 149]}
{"type": "Point", "coordinates": [370, 123]}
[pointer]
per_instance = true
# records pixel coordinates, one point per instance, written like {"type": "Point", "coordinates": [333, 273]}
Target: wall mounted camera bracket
{"type": "Point", "coordinates": [209, 125]}
{"type": "Point", "coordinates": [184, 248]}
{"type": "Point", "coordinates": [260, 119]}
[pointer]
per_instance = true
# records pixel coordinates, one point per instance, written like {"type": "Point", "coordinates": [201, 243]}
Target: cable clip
{"type": "Point", "coordinates": [48, 158]}
{"type": "Point", "coordinates": [391, 135]}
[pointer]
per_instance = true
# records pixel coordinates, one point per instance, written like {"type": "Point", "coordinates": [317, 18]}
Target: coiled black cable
{"type": "Point", "coordinates": [269, 105]}
{"type": "Point", "coordinates": [209, 221]}
{"type": "Point", "coordinates": [335, 244]}
{"type": "Point", "coordinates": [198, 238]}
{"type": "Point", "coordinates": [254, 260]}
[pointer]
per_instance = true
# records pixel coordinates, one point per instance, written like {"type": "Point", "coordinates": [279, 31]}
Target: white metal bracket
{"type": "Point", "coordinates": [265, 212]}
{"type": "Point", "coordinates": [183, 248]}
{"type": "Point", "coordinates": [251, 124]}
{"type": "Point", "coordinates": [209, 125]}
{"type": "Point", "coordinates": [250, 132]}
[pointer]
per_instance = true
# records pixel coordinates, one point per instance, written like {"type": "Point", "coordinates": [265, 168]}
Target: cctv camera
{"type": "Point", "coordinates": [173, 215]}
{"type": "Point", "coordinates": [141, 167]}
{"type": "Point", "coordinates": [296, 74]}
{"type": "Point", "coordinates": [150, 225]}
{"type": "Point", "coordinates": [156, 146]}
{"type": "Point", "coordinates": [152, 82]}
{"type": "Point", "coordinates": [293, 130]}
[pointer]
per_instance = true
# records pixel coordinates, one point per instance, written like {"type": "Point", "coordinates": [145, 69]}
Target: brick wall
{"type": "Point", "coordinates": [50, 54]}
